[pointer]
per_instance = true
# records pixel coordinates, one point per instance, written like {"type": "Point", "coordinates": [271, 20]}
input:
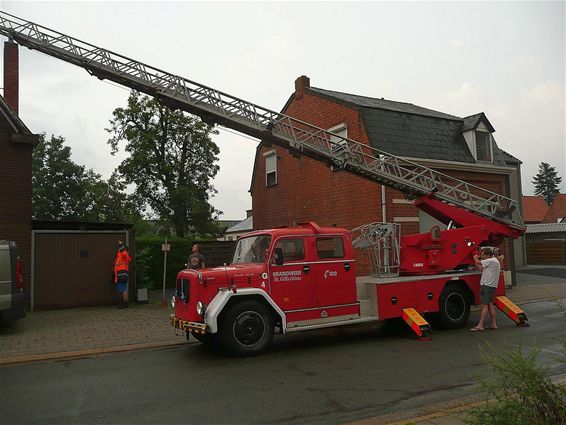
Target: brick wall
{"type": "Point", "coordinates": [11, 75]}
{"type": "Point", "coordinates": [310, 190]}
{"type": "Point", "coordinates": [15, 196]}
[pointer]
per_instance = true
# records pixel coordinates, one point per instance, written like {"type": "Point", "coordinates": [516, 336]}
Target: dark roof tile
{"type": "Point", "coordinates": [370, 102]}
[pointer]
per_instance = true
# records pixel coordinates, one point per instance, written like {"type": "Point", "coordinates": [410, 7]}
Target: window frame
{"type": "Point", "coordinates": [338, 130]}
{"type": "Point", "coordinates": [488, 145]}
{"type": "Point", "coordinates": [270, 156]}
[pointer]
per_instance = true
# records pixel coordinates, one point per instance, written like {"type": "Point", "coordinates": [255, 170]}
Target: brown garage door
{"type": "Point", "coordinates": [546, 252]}
{"type": "Point", "coordinates": [74, 269]}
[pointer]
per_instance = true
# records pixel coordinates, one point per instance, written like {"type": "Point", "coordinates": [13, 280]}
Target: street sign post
{"type": "Point", "coordinates": [165, 247]}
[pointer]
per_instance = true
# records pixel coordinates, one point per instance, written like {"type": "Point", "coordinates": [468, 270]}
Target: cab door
{"type": "Point", "coordinates": [292, 283]}
{"type": "Point", "coordinates": [334, 272]}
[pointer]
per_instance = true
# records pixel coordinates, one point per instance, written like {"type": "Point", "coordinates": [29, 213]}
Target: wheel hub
{"type": "Point", "coordinates": [249, 328]}
{"type": "Point", "coordinates": [455, 306]}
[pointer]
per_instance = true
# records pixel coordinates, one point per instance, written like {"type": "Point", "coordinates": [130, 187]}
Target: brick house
{"type": "Point", "coordinates": [16, 148]}
{"type": "Point", "coordinates": [286, 189]}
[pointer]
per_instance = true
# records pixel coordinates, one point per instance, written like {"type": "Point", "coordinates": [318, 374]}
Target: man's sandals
{"type": "Point", "coordinates": [492, 328]}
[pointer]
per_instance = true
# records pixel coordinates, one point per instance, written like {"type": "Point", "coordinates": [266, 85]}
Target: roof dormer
{"type": "Point", "coordinates": [478, 133]}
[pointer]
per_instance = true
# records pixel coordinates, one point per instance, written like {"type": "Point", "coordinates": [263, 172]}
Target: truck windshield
{"type": "Point", "coordinates": [251, 249]}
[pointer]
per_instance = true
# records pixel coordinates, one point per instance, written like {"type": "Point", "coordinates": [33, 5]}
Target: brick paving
{"type": "Point", "coordinates": [64, 333]}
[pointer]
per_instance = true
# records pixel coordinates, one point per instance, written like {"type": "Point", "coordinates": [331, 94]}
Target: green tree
{"type": "Point", "coordinates": [171, 162]}
{"type": "Point", "coordinates": [546, 182]}
{"type": "Point", "coordinates": [64, 190]}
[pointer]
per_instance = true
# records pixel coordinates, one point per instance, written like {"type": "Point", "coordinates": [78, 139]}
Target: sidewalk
{"type": "Point", "coordinates": [45, 335]}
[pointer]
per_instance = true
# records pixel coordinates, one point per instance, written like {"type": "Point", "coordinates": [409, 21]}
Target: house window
{"type": "Point", "coordinates": [483, 146]}
{"type": "Point", "coordinates": [271, 170]}
{"type": "Point", "coordinates": [337, 142]}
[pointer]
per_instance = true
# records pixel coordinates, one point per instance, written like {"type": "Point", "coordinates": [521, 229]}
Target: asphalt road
{"type": "Point", "coordinates": [323, 377]}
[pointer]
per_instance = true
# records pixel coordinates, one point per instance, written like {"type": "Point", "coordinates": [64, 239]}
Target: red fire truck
{"type": "Point", "coordinates": [291, 279]}
{"type": "Point", "coordinates": [304, 277]}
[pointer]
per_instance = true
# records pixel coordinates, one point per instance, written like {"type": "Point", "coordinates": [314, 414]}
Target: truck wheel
{"type": "Point", "coordinates": [454, 308]}
{"type": "Point", "coordinates": [247, 328]}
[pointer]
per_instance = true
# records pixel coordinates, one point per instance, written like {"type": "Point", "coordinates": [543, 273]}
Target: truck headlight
{"type": "Point", "coordinates": [201, 308]}
{"type": "Point", "coordinates": [173, 301]}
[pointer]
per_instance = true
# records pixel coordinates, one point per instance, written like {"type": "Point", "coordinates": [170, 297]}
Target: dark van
{"type": "Point", "coordinates": [12, 303]}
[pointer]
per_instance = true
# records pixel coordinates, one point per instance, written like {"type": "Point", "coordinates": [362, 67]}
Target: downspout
{"type": "Point", "coordinates": [512, 242]}
{"type": "Point", "coordinates": [383, 206]}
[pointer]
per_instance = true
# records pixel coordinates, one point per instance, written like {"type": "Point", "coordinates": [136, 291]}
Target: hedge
{"type": "Point", "coordinates": [149, 258]}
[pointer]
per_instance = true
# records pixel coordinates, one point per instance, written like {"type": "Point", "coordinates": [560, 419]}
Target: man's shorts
{"type": "Point", "coordinates": [487, 294]}
{"type": "Point", "coordinates": [122, 287]}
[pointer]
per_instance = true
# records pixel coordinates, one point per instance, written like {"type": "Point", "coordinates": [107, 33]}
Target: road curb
{"type": "Point", "coordinates": [86, 353]}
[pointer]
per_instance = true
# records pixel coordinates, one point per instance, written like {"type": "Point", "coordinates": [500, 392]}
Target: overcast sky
{"type": "Point", "coordinates": [502, 58]}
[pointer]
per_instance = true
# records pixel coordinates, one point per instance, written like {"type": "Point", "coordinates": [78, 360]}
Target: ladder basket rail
{"type": "Point", "coordinates": [293, 134]}
{"type": "Point", "coordinates": [382, 243]}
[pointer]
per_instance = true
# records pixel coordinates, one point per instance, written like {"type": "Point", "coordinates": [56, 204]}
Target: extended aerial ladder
{"type": "Point", "coordinates": [298, 137]}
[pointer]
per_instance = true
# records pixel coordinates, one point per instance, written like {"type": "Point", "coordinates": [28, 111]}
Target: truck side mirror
{"type": "Point", "coordinates": [278, 255]}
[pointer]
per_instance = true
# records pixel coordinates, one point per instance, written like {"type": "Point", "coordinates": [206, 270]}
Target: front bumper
{"type": "Point", "coordinates": [187, 326]}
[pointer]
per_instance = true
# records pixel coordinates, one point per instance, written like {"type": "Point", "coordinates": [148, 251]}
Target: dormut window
{"type": "Point", "coordinates": [270, 169]}
{"type": "Point", "coordinates": [483, 146]}
{"type": "Point", "coordinates": [330, 247]}
{"type": "Point", "coordinates": [337, 142]}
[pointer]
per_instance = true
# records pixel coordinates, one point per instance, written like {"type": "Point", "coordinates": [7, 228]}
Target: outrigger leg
{"type": "Point", "coordinates": [512, 311]}
{"type": "Point", "coordinates": [417, 323]}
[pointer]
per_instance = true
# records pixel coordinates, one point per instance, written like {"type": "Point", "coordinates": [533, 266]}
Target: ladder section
{"type": "Point", "coordinates": [294, 135]}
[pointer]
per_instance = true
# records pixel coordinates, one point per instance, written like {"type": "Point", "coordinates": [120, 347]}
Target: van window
{"type": "Point", "coordinates": [293, 249]}
{"type": "Point", "coordinates": [331, 247]}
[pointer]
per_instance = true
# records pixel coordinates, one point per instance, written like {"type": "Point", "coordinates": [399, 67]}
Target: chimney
{"type": "Point", "coordinates": [11, 74]}
{"type": "Point", "coordinates": [300, 84]}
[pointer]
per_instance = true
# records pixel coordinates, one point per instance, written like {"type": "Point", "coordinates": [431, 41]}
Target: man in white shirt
{"type": "Point", "coordinates": [490, 268]}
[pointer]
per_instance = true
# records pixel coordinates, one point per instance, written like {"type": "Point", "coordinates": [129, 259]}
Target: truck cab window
{"type": "Point", "coordinates": [330, 247]}
{"type": "Point", "coordinates": [293, 249]}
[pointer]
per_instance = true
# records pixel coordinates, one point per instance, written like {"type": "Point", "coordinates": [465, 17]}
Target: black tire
{"type": "Point", "coordinates": [247, 328]}
{"type": "Point", "coordinates": [454, 305]}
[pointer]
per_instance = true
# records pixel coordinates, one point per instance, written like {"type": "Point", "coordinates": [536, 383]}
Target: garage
{"type": "Point", "coordinates": [546, 243]}
{"type": "Point", "coordinates": [72, 264]}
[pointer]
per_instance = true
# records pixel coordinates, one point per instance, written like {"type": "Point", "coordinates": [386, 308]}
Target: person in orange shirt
{"type": "Point", "coordinates": [121, 272]}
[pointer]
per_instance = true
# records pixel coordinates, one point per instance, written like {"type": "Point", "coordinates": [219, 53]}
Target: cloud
{"type": "Point", "coordinates": [456, 44]}
{"type": "Point", "coordinates": [532, 128]}
{"type": "Point", "coordinates": [467, 99]}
